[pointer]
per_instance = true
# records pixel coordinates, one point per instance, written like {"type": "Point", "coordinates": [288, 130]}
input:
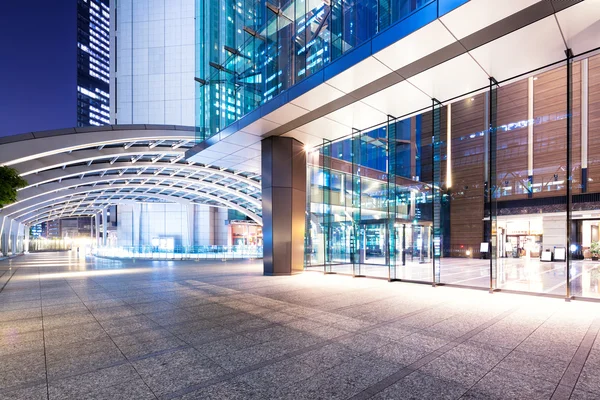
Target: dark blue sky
{"type": "Point", "coordinates": [38, 70]}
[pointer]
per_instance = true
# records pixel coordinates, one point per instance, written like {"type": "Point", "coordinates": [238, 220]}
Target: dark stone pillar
{"type": "Point", "coordinates": [284, 205]}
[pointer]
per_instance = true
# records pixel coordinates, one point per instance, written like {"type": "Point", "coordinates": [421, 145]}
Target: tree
{"type": "Point", "coordinates": [10, 181]}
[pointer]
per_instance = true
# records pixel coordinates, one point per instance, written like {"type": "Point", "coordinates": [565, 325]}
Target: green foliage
{"type": "Point", "coordinates": [10, 181]}
{"type": "Point", "coordinates": [595, 249]}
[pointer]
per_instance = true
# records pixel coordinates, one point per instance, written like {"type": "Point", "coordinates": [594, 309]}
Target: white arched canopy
{"type": "Point", "coordinates": [75, 172]}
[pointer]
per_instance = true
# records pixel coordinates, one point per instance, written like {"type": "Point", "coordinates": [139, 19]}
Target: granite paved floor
{"type": "Point", "coordinates": [77, 328]}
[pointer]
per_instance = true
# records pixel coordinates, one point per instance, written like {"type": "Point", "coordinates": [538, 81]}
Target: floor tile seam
{"type": "Point", "coordinates": [59, 377]}
{"type": "Point", "coordinates": [21, 386]}
{"type": "Point", "coordinates": [125, 360]}
{"type": "Point", "coordinates": [159, 353]}
{"type": "Point", "coordinates": [508, 354]}
{"type": "Point", "coordinates": [236, 373]}
{"type": "Point", "coordinates": [593, 329]}
{"type": "Point", "coordinates": [99, 389]}
{"type": "Point", "coordinates": [44, 339]}
{"type": "Point", "coordinates": [295, 353]}
{"type": "Point", "coordinates": [10, 277]}
{"type": "Point", "coordinates": [424, 360]}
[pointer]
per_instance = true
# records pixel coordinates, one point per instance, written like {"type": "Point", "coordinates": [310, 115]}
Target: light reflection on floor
{"type": "Point", "coordinates": [519, 274]}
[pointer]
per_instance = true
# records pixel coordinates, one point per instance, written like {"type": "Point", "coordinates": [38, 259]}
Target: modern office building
{"type": "Point", "coordinates": [152, 67]}
{"type": "Point", "coordinates": [389, 140]}
{"type": "Point", "coordinates": [444, 141]}
{"type": "Point", "coordinates": [69, 87]}
{"type": "Point", "coordinates": [93, 65]}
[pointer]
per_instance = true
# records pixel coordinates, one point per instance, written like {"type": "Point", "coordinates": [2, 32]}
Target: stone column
{"type": "Point", "coordinates": [11, 238]}
{"type": "Point", "coordinates": [136, 218]}
{"type": "Point", "coordinates": [283, 204]}
{"type": "Point", "coordinates": [97, 220]}
{"type": "Point", "coordinates": [191, 226]}
{"type": "Point", "coordinates": [104, 226]}
{"type": "Point", "coordinates": [4, 235]}
{"type": "Point", "coordinates": [26, 242]}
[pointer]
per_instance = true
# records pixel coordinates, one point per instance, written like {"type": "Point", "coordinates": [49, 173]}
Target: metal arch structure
{"type": "Point", "coordinates": [65, 159]}
{"type": "Point", "coordinates": [72, 172]}
{"type": "Point", "coordinates": [17, 211]}
{"type": "Point", "coordinates": [73, 204]}
{"type": "Point", "coordinates": [20, 148]}
{"type": "Point", "coordinates": [77, 171]}
{"type": "Point", "coordinates": [34, 192]}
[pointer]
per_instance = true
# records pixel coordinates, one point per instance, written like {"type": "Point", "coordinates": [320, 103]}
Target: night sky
{"type": "Point", "coordinates": [38, 67]}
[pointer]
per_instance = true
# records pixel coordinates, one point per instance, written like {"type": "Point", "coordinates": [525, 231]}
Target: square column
{"type": "Point", "coordinates": [104, 226]}
{"type": "Point", "coordinates": [283, 205]}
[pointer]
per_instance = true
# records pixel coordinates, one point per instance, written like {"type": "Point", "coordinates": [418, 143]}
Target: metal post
{"type": "Point", "coordinates": [436, 185]}
{"type": "Point", "coordinates": [491, 178]}
{"type": "Point", "coordinates": [569, 55]}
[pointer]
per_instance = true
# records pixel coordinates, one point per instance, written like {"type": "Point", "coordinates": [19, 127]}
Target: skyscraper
{"type": "Point", "coordinates": [152, 65]}
{"type": "Point", "coordinates": [93, 62]}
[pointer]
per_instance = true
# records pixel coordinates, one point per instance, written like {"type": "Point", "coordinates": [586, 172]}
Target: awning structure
{"type": "Point", "coordinates": [77, 172]}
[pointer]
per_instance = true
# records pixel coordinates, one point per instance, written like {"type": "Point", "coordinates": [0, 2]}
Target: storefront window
{"type": "Point", "coordinates": [477, 191]}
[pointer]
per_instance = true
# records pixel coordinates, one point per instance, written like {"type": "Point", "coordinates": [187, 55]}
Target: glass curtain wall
{"type": "Point", "coordinates": [250, 51]}
{"type": "Point", "coordinates": [497, 189]}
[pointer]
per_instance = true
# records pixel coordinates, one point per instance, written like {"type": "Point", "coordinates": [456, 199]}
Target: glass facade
{"type": "Point", "coordinates": [93, 62]}
{"type": "Point", "coordinates": [250, 51]}
{"type": "Point", "coordinates": [495, 189]}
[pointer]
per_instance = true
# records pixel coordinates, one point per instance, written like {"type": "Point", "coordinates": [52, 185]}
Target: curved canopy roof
{"type": "Point", "coordinates": [76, 172]}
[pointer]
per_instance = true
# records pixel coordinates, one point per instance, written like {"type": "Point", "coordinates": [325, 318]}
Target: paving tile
{"type": "Point", "coordinates": [327, 356]}
{"type": "Point", "coordinates": [421, 386]}
{"type": "Point", "coordinates": [176, 370]}
{"type": "Point", "coordinates": [548, 348]}
{"type": "Point", "coordinates": [226, 345]}
{"type": "Point", "coordinates": [26, 313]}
{"type": "Point", "coordinates": [578, 394]}
{"type": "Point", "coordinates": [450, 369]}
{"type": "Point", "coordinates": [231, 390]}
{"type": "Point", "coordinates": [68, 319]}
{"type": "Point", "coordinates": [56, 354]}
{"type": "Point", "coordinates": [6, 305]}
{"type": "Point", "coordinates": [75, 364]}
{"type": "Point", "coordinates": [37, 392]}
{"type": "Point", "coordinates": [76, 387]}
{"type": "Point", "coordinates": [63, 309]}
{"type": "Point", "coordinates": [541, 367]}
{"type": "Point", "coordinates": [22, 343]}
{"type": "Point", "coordinates": [340, 382]}
{"type": "Point", "coordinates": [20, 326]}
{"type": "Point", "coordinates": [502, 384]}
{"type": "Point", "coordinates": [108, 313]}
{"type": "Point", "coordinates": [72, 334]}
{"type": "Point", "coordinates": [196, 338]}
{"type": "Point", "coordinates": [279, 374]}
{"type": "Point", "coordinates": [483, 355]}
{"type": "Point", "coordinates": [364, 342]}
{"type": "Point", "coordinates": [126, 325]}
{"type": "Point", "coordinates": [21, 369]}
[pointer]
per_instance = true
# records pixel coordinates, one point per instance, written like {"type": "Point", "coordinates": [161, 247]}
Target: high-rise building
{"type": "Point", "coordinates": [152, 65]}
{"type": "Point", "coordinates": [93, 62]}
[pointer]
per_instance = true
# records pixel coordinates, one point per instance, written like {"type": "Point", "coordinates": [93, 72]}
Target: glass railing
{"type": "Point", "coordinates": [181, 252]}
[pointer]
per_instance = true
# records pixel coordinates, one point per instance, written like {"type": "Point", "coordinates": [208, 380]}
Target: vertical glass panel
{"type": "Point", "coordinates": [585, 269]}
{"type": "Point", "coordinates": [579, 272]}
{"type": "Point", "coordinates": [464, 227]}
{"type": "Point", "coordinates": [532, 178]}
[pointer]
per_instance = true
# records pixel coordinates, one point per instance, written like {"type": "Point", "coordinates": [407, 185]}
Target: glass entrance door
{"type": "Point", "coordinates": [413, 252]}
